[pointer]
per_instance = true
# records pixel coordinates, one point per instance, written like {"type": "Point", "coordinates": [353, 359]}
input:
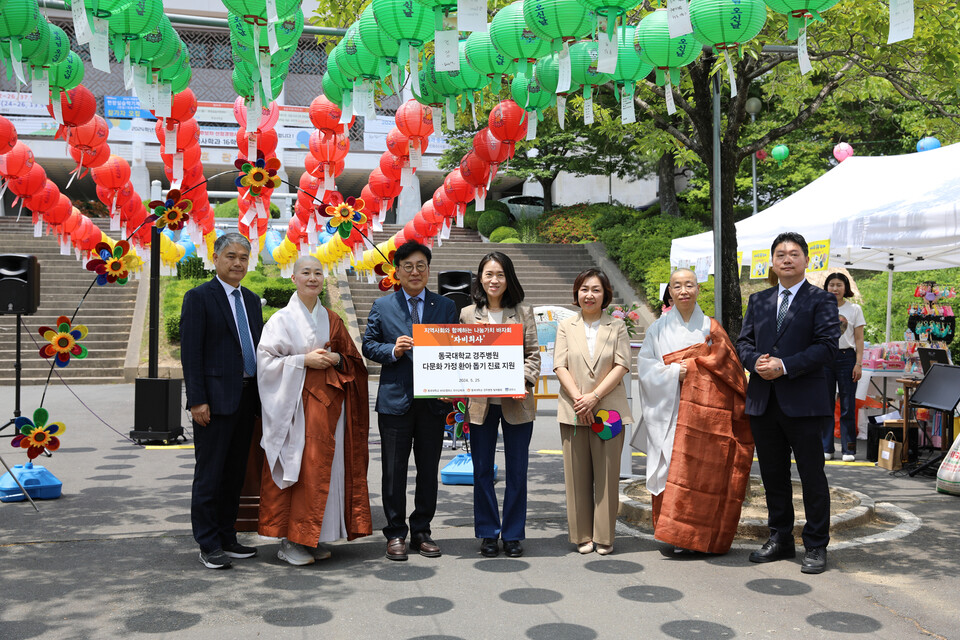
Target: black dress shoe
{"type": "Point", "coordinates": [814, 560]}
{"type": "Point", "coordinates": [512, 548]}
{"type": "Point", "coordinates": [426, 546]}
{"type": "Point", "coordinates": [490, 548]}
{"type": "Point", "coordinates": [397, 549]}
{"type": "Point", "coordinates": [771, 551]}
{"type": "Point", "coordinates": [238, 551]}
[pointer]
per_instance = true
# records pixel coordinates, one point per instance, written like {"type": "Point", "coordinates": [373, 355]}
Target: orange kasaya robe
{"type": "Point", "coordinates": [296, 513]}
{"type": "Point", "coordinates": [712, 450]}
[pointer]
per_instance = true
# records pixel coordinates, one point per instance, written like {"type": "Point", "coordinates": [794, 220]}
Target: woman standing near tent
{"type": "Point", "coordinates": [845, 371]}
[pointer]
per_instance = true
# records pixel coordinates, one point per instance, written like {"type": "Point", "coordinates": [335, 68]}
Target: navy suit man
{"type": "Point", "coordinates": [790, 333]}
{"type": "Point", "coordinates": [220, 326]}
{"type": "Point", "coordinates": [406, 422]}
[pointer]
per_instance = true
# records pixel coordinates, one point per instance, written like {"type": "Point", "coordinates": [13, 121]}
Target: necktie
{"type": "Point", "coordinates": [784, 305]}
{"type": "Point", "coordinates": [414, 313]}
{"type": "Point", "coordinates": [246, 345]}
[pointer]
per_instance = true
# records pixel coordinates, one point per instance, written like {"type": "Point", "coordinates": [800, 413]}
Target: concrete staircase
{"type": "Point", "coordinates": [107, 312]}
{"type": "Point", "coordinates": [546, 271]}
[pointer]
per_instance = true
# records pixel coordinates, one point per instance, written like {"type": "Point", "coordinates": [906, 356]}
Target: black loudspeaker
{"type": "Point", "coordinates": [456, 286]}
{"type": "Point", "coordinates": [156, 413]}
{"type": "Point", "coordinates": [19, 284]}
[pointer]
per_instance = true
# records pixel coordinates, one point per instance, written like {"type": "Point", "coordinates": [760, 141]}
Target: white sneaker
{"type": "Point", "coordinates": [320, 552]}
{"type": "Point", "coordinates": [828, 456]}
{"type": "Point", "coordinates": [293, 553]}
{"type": "Point", "coordinates": [849, 457]}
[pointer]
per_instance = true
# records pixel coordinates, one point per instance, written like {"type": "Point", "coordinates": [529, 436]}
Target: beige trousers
{"type": "Point", "coordinates": [591, 473]}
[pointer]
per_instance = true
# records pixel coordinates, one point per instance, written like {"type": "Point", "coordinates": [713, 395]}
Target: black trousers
{"type": "Point", "coordinates": [221, 451]}
{"type": "Point", "coordinates": [419, 429]}
{"type": "Point", "coordinates": [775, 435]}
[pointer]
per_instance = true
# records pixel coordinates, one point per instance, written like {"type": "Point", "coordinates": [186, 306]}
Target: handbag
{"type": "Point", "coordinates": [607, 424]}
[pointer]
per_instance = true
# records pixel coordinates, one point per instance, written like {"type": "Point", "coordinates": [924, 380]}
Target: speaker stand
{"type": "Point", "coordinates": [12, 422]}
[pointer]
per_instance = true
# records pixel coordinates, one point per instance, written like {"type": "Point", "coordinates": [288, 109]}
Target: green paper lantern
{"type": "Point", "coordinates": [331, 90]}
{"type": "Point", "coordinates": [375, 39]}
{"type": "Point", "coordinates": [66, 75]}
{"type": "Point", "coordinates": [511, 36]}
{"type": "Point", "coordinates": [428, 93]}
{"type": "Point", "coordinates": [139, 18]}
{"type": "Point", "coordinates": [18, 18]}
{"type": "Point", "coordinates": [255, 11]}
{"type": "Point", "coordinates": [357, 57]}
{"type": "Point", "coordinates": [555, 20]}
{"type": "Point", "coordinates": [726, 24]}
{"type": "Point", "coordinates": [468, 79]}
{"type": "Point", "coordinates": [335, 70]}
{"type": "Point", "coordinates": [338, 60]}
{"type": "Point", "coordinates": [652, 42]}
{"type": "Point", "coordinates": [159, 48]}
{"type": "Point", "coordinates": [442, 82]}
{"type": "Point", "coordinates": [181, 81]}
{"type": "Point", "coordinates": [57, 50]}
{"type": "Point", "coordinates": [780, 153]}
{"type": "Point", "coordinates": [547, 72]}
{"type": "Point", "coordinates": [530, 94]}
{"type": "Point", "coordinates": [799, 11]}
{"type": "Point", "coordinates": [610, 9]}
{"type": "Point", "coordinates": [107, 8]}
{"type": "Point", "coordinates": [583, 66]}
{"type": "Point", "coordinates": [36, 42]}
{"type": "Point", "coordinates": [406, 21]}
{"type": "Point", "coordinates": [484, 58]}
{"type": "Point", "coordinates": [174, 69]}
{"type": "Point", "coordinates": [242, 84]}
{"type": "Point", "coordinates": [630, 66]}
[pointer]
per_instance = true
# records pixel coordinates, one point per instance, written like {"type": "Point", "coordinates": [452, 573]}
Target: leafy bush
{"type": "Point", "coordinates": [193, 268]}
{"type": "Point", "coordinates": [471, 218]}
{"type": "Point", "coordinates": [502, 233]}
{"type": "Point", "coordinates": [568, 225]}
{"type": "Point", "coordinates": [92, 208]}
{"type": "Point", "coordinates": [278, 295]}
{"type": "Point", "coordinates": [490, 220]}
{"type": "Point", "coordinates": [511, 241]}
{"type": "Point", "coordinates": [171, 327]}
{"type": "Point", "coordinates": [231, 209]}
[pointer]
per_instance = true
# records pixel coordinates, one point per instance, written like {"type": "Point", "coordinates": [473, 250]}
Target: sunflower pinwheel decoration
{"type": "Point", "coordinates": [457, 419]}
{"type": "Point", "coordinates": [36, 436]}
{"type": "Point", "coordinates": [64, 341]}
{"type": "Point", "coordinates": [171, 213]}
{"type": "Point", "coordinates": [113, 265]}
{"type": "Point", "coordinates": [258, 175]}
{"type": "Point", "coordinates": [388, 271]}
{"type": "Point", "coordinates": [344, 214]}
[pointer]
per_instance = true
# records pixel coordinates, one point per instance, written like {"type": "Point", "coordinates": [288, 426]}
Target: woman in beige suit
{"type": "Point", "coordinates": [591, 356]}
{"type": "Point", "coordinates": [499, 297]}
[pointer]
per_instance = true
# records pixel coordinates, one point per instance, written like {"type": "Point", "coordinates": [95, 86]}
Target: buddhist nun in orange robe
{"type": "Point", "coordinates": [693, 428]}
{"type": "Point", "coordinates": [313, 390]}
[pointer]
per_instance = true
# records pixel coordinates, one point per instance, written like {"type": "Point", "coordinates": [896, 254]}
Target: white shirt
{"type": "Point", "coordinates": [793, 294]}
{"type": "Point", "coordinates": [590, 330]}
{"type": "Point", "coordinates": [229, 289]}
{"type": "Point", "coordinates": [851, 317]}
{"type": "Point", "coordinates": [496, 317]}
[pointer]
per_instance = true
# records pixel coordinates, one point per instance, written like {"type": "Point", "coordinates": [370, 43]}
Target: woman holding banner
{"type": "Point", "coordinates": [591, 357]}
{"type": "Point", "coordinates": [498, 299]}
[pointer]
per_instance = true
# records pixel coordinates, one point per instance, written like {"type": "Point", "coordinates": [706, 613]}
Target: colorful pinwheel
{"type": "Point", "coordinates": [64, 342]}
{"type": "Point", "coordinates": [171, 213]}
{"type": "Point", "coordinates": [37, 436]}
{"type": "Point", "coordinates": [389, 272]}
{"type": "Point", "coordinates": [344, 214]}
{"type": "Point", "coordinates": [457, 419]}
{"type": "Point", "coordinates": [259, 175]}
{"type": "Point", "coordinates": [113, 266]}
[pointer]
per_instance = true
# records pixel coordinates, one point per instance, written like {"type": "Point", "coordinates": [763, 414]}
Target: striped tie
{"type": "Point", "coordinates": [246, 345]}
{"type": "Point", "coordinates": [784, 305]}
{"type": "Point", "coordinates": [414, 313]}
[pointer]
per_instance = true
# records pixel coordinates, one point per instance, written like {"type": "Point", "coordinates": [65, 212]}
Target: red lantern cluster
{"type": "Point", "coordinates": [84, 131]}
{"type": "Point", "coordinates": [254, 207]}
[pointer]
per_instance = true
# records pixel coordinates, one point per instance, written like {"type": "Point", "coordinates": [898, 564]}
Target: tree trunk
{"type": "Point", "coordinates": [667, 189]}
{"type": "Point", "coordinates": [547, 184]}
{"type": "Point", "coordinates": [730, 269]}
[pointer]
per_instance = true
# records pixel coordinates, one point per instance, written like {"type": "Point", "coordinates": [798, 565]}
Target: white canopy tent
{"type": "Point", "coordinates": [894, 213]}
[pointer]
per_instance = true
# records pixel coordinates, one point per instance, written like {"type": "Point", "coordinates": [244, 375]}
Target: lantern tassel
{"type": "Point", "coordinates": [562, 110]}
{"type": "Point", "coordinates": [731, 73]}
{"type": "Point", "coordinates": [668, 94]}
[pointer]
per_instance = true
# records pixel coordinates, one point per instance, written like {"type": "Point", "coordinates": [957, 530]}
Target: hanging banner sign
{"type": "Point", "coordinates": [375, 135]}
{"type": "Point", "coordinates": [21, 104]}
{"type": "Point", "coordinates": [139, 130]}
{"type": "Point", "coordinates": [124, 107]}
{"type": "Point", "coordinates": [759, 264]}
{"type": "Point", "coordinates": [819, 253]}
{"type": "Point", "coordinates": [468, 360]}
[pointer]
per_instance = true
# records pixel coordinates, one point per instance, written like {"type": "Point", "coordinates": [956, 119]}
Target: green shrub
{"type": "Point", "coordinates": [568, 225]}
{"type": "Point", "coordinates": [511, 241]}
{"type": "Point", "coordinates": [490, 220]}
{"type": "Point", "coordinates": [278, 295]}
{"type": "Point", "coordinates": [92, 208]}
{"type": "Point", "coordinates": [502, 233]}
{"type": "Point", "coordinates": [193, 268]}
{"type": "Point", "coordinates": [171, 327]}
{"type": "Point", "coordinates": [471, 218]}
{"type": "Point", "coordinates": [231, 209]}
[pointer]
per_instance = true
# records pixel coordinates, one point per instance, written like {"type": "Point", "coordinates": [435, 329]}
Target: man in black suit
{"type": "Point", "coordinates": [789, 334]}
{"type": "Point", "coordinates": [220, 326]}
{"type": "Point", "coordinates": [406, 422]}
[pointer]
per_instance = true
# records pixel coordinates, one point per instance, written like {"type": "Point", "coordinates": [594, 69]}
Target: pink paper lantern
{"type": "Point", "coordinates": [842, 151]}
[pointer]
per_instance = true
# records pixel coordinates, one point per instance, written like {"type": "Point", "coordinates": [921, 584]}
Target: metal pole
{"type": "Point", "coordinates": [154, 335]}
{"type": "Point", "coordinates": [18, 369]}
{"type": "Point", "coordinates": [889, 297]}
{"type": "Point", "coordinates": [753, 158]}
{"type": "Point", "coordinates": [717, 257]}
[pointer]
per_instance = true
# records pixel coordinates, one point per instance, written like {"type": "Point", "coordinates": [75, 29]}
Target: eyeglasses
{"type": "Point", "coordinates": [408, 267]}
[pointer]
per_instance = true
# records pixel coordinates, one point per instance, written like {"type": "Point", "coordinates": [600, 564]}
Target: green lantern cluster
{"type": "Point", "coordinates": [262, 45]}
{"type": "Point", "coordinates": [798, 11]}
{"type": "Point", "coordinates": [653, 44]}
{"type": "Point", "coordinates": [726, 24]}
{"type": "Point", "coordinates": [514, 39]}
{"type": "Point", "coordinates": [631, 68]}
{"type": "Point", "coordinates": [35, 49]}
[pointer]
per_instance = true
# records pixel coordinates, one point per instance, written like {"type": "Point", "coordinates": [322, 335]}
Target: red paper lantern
{"type": "Point", "coordinates": [124, 193]}
{"type": "Point", "coordinates": [72, 222]}
{"type": "Point", "coordinates": [475, 170]}
{"type": "Point", "coordinates": [29, 183]}
{"type": "Point", "coordinates": [508, 123]}
{"type": "Point", "coordinates": [424, 227]}
{"type": "Point", "coordinates": [410, 233]}
{"type": "Point", "coordinates": [90, 158]}
{"type": "Point", "coordinates": [92, 235]}
{"type": "Point", "coordinates": [191, 174]}
{"type": "Point", "coordinates": [391, 165]}
{"type": "Point", "coordinates": [8, 135]}
{"type": "Point", "coordinates": [399, 144]}
{"type": "Point", "coordinates": [326, 150]}
{"type": "Point", "coordinates": [415, 120]}
{"type": "Point", "coordinates": [78, 106]}
{"type": "Point", "coordinates": [182, 108]}
{"type": "Point", "coordinates": [443, 204]}
{"type": "Point", "coordinates": [267, 141]}
{"type": "Point", "coordinates": [188, 134]}
{"type": "Point", "coordinates": [488, 148]}
{"type": "Point", "coordinates": [129, 209]}
{"type": "Point", "coordinates": [135, 217]}
{"type": "Point", "coordinates": [89, 135]}
{"type": "Point", "coordinates": [310, 184]}
{"type": "Point", "coordinates": [296, 232]}
{"type": "Point", "coordinates": [112, 174]}
{"type": "Point", "coordinates": [17, 162]}
{"type": "Point", "coordinates": [382, 186]}
{"type": "Point", "coordinates": [191, 157]}
{"type": "Point", "coordinates": [58, 212]}
{"type": "Point", "coordinates": [430, 214]}
{"type": "Point", "coordinates": [457, 189]}
{"type": "Point", "coordinates": [325, 116]}
{"type": "Point", "coordinates": [371, 203]}
{"type": "Point", "coordinates": [45, 198]}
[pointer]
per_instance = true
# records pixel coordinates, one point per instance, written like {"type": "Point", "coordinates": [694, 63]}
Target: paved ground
{"type": "Point", "coordinates": [114, 558]}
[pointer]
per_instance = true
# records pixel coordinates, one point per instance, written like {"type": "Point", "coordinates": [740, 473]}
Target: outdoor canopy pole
{"type": "Point", "coordinates": [889, 296]}
{"type": "Point", "coordinates": [717, 256]}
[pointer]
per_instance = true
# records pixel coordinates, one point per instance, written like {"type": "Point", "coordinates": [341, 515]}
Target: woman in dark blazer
{"type": "Point", "coordinates": [498, 299]}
